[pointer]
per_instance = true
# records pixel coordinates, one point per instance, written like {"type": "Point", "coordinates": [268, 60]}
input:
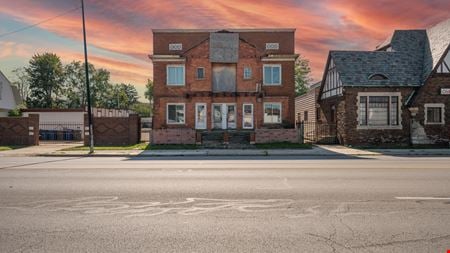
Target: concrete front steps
{"type": "Point", "coordinates": [215, 139]}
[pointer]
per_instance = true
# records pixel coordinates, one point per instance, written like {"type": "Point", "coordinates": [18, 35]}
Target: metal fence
{"type": "Point", "coordinates": [60, 131]}
{"type": "Point", "coordinates": [320, 133]}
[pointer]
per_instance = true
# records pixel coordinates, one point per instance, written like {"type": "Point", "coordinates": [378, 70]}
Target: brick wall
{"type": "Point", "coordinates": [173, 136]}
{"type": "Point", "coordinates": [276, 135]}
{"type": "Point", "coordinates": [19, 131]}
{"type": "Point", "coordinates": [430, 94]}
{"type": "Point", "coordinates": [114, 131]}
{"type": "Point", "coordinates": [196, 52]}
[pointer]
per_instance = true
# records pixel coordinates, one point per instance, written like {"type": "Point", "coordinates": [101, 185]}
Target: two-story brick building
{"type": "Point", "coordinates": [234, 79]}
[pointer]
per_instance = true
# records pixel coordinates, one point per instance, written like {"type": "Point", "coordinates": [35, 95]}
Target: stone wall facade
{"type": "Point", "coordinates": [19, 130]}
{"type": "Point", "coordinates": [422, 132]}
{"type": "Point", "coordinates": [276, 135]}
{"type": "Point", "coordinates": [346, 119]}
{"type": "Point", "coordinates": [173, 136]}
{"type": "Point", "coordinates": [114, 131]}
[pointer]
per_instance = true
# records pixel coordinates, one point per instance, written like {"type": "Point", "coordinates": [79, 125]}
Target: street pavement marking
{"type": "Point", "coordinates": [112, 205]}
{"type": "Point", "coordinates": [422, 198]}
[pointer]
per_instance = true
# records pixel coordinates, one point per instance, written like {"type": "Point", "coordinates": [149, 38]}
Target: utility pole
{"type": "Point", "coordinates": [88, 90]}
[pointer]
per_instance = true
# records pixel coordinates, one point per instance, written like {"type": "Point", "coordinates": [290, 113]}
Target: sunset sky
{"type": "Point", "coordinates": [119, 31]}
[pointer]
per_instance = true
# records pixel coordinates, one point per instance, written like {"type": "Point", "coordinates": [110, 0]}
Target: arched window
{"type": "Point", "coordinates": [377, 77]}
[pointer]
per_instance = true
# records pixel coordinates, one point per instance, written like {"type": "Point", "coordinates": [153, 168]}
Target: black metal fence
{"type": "Point", "coordinates": [60, 131]}
{"type": "Point", "coordinates": [315, 132]}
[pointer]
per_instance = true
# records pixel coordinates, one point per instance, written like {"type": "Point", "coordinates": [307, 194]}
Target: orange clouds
{"type": "Point", "coordinates": [124, 26]}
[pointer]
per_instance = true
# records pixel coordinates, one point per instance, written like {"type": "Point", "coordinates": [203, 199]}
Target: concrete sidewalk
{"type": "Point", "coordinates": [319, 150]}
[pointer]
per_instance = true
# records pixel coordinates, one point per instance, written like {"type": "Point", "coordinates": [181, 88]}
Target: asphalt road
{"type": "Point", "coordinates": [275, 204]}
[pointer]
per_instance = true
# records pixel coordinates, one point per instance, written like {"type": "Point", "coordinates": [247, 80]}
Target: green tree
{"type": "Point", "coordinates": [100, 87]}
{"type": "Point", "coordinates": [143, 109]}
{"type": "Point", "coordinates": [21, 81]}
{"type": "Point", "coordinates": [149, 90]}
{"type": "Point", "coordinates": [302, 75]}
{"type": "Point", "coordinates": [46, 76]}
{"type": "Point", "coordinates": [149, 94]}
{"type": "Point", "coordinates": [122, 96]}
{"type": "Point", "coordinates": [74, 86]}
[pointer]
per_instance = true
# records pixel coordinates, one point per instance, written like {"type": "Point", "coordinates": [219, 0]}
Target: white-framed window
{"type": "Point", "coordinates": [272, 46]}
{"type": "Point", "coordinates": [272, 113]}
{"type": "Point", "coordinates": [200, 74]}
{"type": "Point", "coordinates": [379, 110]}
{"type": "Point", "coordinates": [434, 114]}
{"type": "Point", "coordinates": [247, 73]}
{"type": "Point", "coordinates": [175, 113]}
{"type": "Point", "coordinates": [175, 75]}
{"type": "Point", "coordinates": [175, 46]}
{"type": "Point", "coordinates": [272, 74]}
{"type": "Point", "coordinates": [247, 116]}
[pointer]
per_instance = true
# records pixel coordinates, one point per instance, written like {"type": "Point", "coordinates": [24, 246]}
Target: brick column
{"type": "Point", "coordinates": [133, 129]}
{"type": "Point", "coordinates": [33, 129]}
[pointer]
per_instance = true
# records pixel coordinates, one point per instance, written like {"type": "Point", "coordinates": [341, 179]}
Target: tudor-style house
{"type": "Point", "coordinates": [398, 94]}
{"type": "Point", "coordinates": [234, 79]}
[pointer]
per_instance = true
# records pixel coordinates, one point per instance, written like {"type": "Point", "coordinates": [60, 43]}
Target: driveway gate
{"type": "Point", "coordinates": [60, 131]}
{"type": "Point", "coordinates": [315, 132]}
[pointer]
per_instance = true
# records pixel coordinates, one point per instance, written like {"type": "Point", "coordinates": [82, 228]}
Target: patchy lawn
{"type": "Point", "coordinates": [283, 145]}
{"type": "Point", "coordinates": [172, 146]}
{"type": "Point", "coordinates": [6, 148]}
{"type": "Point", "coordinates": [140, 146]}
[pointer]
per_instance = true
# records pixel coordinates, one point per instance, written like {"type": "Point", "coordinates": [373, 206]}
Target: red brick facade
{"type": "Point", "coordinates": [114, 131]}
{"type": "Point", "coordinates": [195, 54]}
{"type": "Point", "coordinates": [19, 130]}
{"type": "Point", "coordinates": [276, 135]}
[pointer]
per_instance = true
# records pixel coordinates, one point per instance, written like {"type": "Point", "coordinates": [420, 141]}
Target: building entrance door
{"type": "Point", "coordinates": [200, 116]}
{"type": "Point", "coordinates": [224, 116]}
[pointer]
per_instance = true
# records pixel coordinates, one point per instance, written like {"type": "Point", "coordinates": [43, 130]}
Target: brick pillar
{"type": "Point", "coordinates": [226, 138]}
{"type": "Point", "coordinates": [252, 138]}
{"type": "Point", "coordinates": [86, 130]}
{"type": "Point", "coordinates": [198, 138]}
{"type": "Point", "coordinates": [33, 129]}
{"type": "Point", "coordinates": [133, 129]}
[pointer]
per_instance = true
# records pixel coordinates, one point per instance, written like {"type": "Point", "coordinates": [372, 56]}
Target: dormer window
{"type": "Point", "coordinates": [175, 46]}
{"type": "Point", "coordinates": [378, 77]}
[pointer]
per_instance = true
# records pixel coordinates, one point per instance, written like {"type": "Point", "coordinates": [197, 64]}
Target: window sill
{"type": "Point", "coordinates": [434, 124]}
{"type": "Point", "coordinates": [175, 85]}
{"type": "Point", "coordinates": [400, 127]}
{"type": "Point", "coordinates": [265, 84]}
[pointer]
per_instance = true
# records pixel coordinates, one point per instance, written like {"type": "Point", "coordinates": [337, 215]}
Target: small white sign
{"type": "Point", "coordinates": [175, 46]}
{"type": "Point", "coordinates": [272, 46]}
{"type": "Point", "coordinates": [445, 91]}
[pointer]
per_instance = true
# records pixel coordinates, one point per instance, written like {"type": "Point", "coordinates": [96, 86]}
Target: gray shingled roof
{"type": "Point", "coordinates": [414, 54]}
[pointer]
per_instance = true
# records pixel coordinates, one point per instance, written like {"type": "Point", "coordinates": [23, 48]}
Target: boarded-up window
{"type": "Point", "coordinates": [224, 77]}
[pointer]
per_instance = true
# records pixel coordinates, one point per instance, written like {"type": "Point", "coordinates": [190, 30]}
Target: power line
{"type": "Point", "coordinates": [41, 22]}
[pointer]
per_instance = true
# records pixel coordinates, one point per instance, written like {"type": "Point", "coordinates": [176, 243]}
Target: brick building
{"type": "Point", "coordinates": [397, 94]}
{"type": "Point", "coordinates": [234, 79]}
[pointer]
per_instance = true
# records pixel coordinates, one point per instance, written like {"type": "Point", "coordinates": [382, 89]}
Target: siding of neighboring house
{"type": "Point", "coordinates": [307, 103]}
{"type": "Point", "coordinates": [9, 97]}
